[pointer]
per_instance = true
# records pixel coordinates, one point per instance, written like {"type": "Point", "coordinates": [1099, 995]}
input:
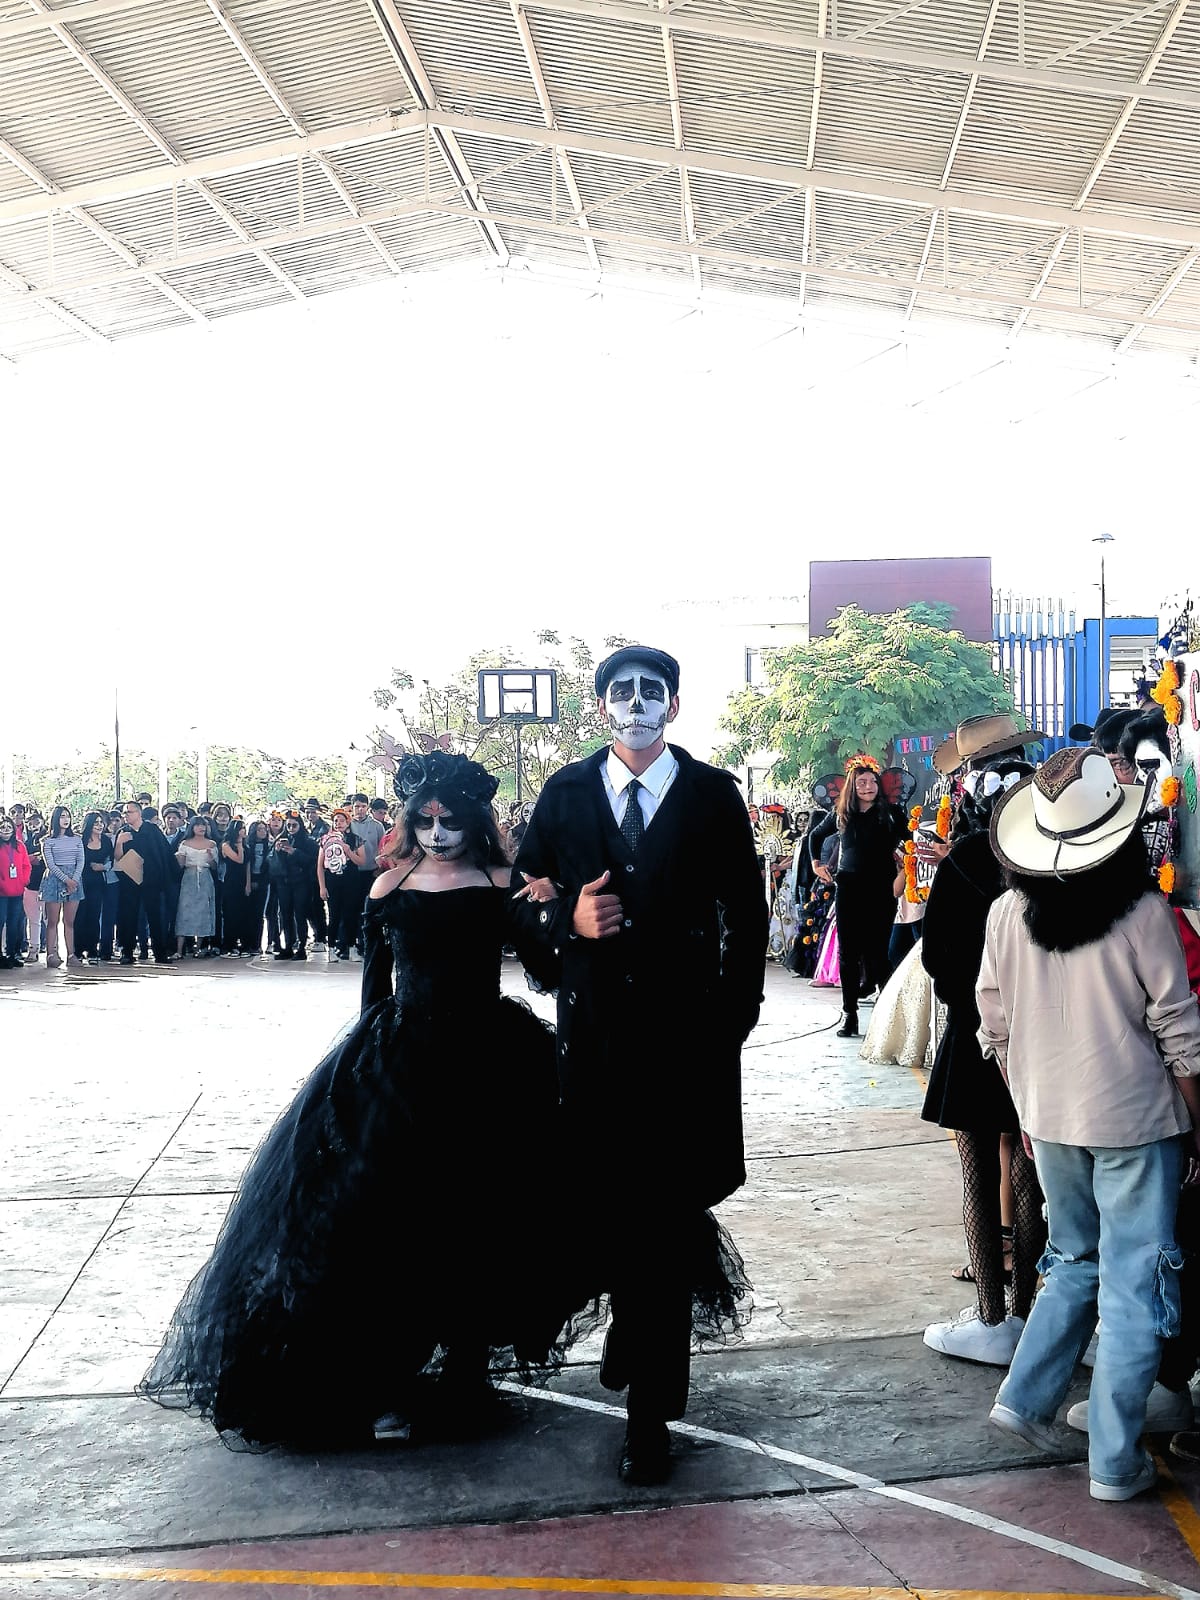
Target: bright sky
{"type": "Point", "coordinates": [400, 475]}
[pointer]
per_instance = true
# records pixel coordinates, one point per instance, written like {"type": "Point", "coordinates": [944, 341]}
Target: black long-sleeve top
{"type": "Point", "coordinates": [868, 841]}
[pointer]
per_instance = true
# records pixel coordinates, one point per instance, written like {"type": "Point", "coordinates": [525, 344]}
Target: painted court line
{"type": "Point", "coordinates": [322, 1579]}
{"type": "Point", "coordinates": [922, 1502]}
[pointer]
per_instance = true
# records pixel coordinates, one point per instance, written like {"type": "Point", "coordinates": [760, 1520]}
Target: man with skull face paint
{"type": "Point", "coordinates": [656, 946]}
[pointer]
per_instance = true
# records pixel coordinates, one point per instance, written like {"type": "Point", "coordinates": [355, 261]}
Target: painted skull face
{"type": "Point", "coordinates": [638, 703]}
{"type": "Point", "coordinates": [439, 833]}
{"type": "Point", "coordinates": [1151, 765]}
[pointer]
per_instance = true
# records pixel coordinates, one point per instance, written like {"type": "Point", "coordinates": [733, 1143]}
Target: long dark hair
{"type": "Point", "coordinates": [190, 826]}
{"type": "Point", "coordinates": [485, 848]}
{"type": "Point", "coordinates": [89, 823]}
{"type": "Point", "coordinates": [1068, 913]}
{"type": "Point", "coordinates": [56, 817]}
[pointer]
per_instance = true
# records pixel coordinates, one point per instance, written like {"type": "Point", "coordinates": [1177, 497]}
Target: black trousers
{"type": "Point", "coordinates": [271, 912]}
{"type": "Point", "coordinates": [317, 920]}
{"type": "Point", "coordinates": [293, 914]}
{"type": "Point", "coordinates": [865, 911]}
{"type": "Point", "coordinates": [138, 901]}
{"type": "Point", "coordinates": [232, 896]}
{"type": "Point", "coordinates": [360, 884]}
{"type": "Point", "coordinates": [648, 1347]}
{"type": "Point", "coordinates": [252, 919]}
{"type": "Point", "coordinates": [344, 907]}
{"type": "Point", "coordinates": [87, 919]}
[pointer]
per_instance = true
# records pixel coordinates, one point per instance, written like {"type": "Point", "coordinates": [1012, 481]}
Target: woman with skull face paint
{"type": "Point", "coordinates": [392, 1240]}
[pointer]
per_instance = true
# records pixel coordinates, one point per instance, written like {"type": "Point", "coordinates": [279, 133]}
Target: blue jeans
{"type": "Point", "coordinates": [1112, 1247]}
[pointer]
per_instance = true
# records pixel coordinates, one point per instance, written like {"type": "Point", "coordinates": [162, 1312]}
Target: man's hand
{"type": "Point", "coordinates": [821, 871]}
{"type": "Point", "coordinates": [597, 915]}
{"type": "Point", "coordinates": [931, 850]}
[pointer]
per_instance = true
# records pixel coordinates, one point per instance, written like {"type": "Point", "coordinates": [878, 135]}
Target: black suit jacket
{"type": "Point", "coordinates": [651, 1021]}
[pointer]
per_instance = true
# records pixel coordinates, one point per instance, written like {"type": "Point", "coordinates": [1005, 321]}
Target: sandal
{"type": "Point", "coordinates": [964, 1274]}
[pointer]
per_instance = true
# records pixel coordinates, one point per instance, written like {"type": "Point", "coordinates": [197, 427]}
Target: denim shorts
{"type": "Point", "coordinates": [54, 891]}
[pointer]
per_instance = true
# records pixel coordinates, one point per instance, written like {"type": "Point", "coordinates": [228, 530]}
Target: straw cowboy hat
{"type": "Point", "coordinates": [1072, 814]}
{"type": "Point", "coordinates": [980, 737]}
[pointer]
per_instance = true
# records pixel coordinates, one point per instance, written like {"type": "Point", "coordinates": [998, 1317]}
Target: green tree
{"type": "Point", "coordinates": [872, 678]}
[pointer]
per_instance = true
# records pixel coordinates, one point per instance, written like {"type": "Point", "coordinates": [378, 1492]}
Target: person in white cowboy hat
{"type": "Point", "coordinates": [1084, 1003]}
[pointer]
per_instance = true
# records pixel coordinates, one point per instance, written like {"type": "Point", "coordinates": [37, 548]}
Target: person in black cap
{"type": "Point", "coordinates": [656, 946]}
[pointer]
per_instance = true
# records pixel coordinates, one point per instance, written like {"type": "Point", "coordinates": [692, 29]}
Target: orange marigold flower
{"type": "Point", "coordinates": [1173, 710]}
{"type": "Point", "coordinates": [1166, 877]}
{"type": "Point", "coordinates": [1170, 791]}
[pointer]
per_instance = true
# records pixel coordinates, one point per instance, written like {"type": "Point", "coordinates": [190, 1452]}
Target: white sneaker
{"type": "Point", "coordinates": [1039, 1434]}
{"type": "Point", "coordinates": [1088, 1358]}
{"type": "Point", "coordinates": [1166, 1412]}
{"type": "Point", "coordinates": [317, 947]}
{"type": "Point", "coordinates": [1146, 1479]}
{"type": "Point", "coordinates": [971, 1339]}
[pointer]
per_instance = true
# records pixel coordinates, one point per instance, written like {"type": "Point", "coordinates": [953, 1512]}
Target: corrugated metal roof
{"type": "Point", "coordinates": [1023, 166]}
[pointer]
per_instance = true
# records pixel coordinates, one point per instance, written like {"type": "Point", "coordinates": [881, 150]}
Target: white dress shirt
{"type": "Point", "coordinates": [655, 781]}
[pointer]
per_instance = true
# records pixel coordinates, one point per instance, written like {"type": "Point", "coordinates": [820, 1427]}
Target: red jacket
{"type": "Point", "coordinates": [13, 854]}
{"type": "Point", "coordinates": [1191, 949]}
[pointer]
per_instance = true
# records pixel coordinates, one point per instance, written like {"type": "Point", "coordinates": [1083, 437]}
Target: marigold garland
{"type": "Point", "coordinates": [943, 817]}
{"type": "Point", "coordinates": [911, 893]}
{"type": "Point", "coordinates": [1164, 693]}
{"type": "Point", "coordinates": [1166, 877]}
{"type": "Point", "coordinates": [1170, 791]}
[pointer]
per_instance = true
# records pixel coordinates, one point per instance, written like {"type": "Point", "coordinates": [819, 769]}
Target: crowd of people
{"type": "Point", "coordinates": [1055, 991]}
{"type": "Point", "coordinates": [133, 883]}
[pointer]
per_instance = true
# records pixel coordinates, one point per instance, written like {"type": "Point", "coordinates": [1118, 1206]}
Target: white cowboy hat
{"type": "Point", "coordinates": [1070, 815]}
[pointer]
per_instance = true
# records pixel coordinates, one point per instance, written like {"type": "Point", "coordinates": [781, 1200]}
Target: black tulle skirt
{"type": "Point", "coordinates": [414, 1200]}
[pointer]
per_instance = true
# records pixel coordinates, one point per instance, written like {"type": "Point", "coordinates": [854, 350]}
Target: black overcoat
{"type": "Point", "coordinates": [965, 1092]}
{"type": "Point", "coordinates": [651, 1021]}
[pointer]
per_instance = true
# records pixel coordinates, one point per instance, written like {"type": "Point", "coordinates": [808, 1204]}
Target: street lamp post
{"type": "Point", "coordinates": [1102, 539]}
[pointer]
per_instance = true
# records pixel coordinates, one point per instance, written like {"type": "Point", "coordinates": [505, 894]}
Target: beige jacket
{"type": "Point", "coordinates": [1090, 1037]}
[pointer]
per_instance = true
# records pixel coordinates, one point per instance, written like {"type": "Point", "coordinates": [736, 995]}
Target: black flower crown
{"type": "Point", "coordinates": [441, 771]}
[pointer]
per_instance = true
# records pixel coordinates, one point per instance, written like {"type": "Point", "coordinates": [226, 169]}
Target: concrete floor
{"type": "Point", "coordinates": [133, 1100]}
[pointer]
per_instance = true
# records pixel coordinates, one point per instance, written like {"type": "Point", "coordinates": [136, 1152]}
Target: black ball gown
{"type": "Point", "coordinates": [404, 1206]}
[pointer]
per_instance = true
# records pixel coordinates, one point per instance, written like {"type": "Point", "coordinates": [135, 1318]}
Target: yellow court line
{"type": "Point", "coordinates": [1181, 1510]}
{"type": "Point", "coordinates": [252, 1577]}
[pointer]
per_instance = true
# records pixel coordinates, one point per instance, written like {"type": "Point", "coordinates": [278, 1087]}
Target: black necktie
{"type": "Point", "coordinates": [632, 826]}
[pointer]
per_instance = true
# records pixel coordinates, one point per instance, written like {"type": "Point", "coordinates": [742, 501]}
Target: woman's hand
{"type": "Point", "coordinates": [72, 885]}
{"type": "Point", "coordinates": [324, 894]}
{"type": "Point", "coordinates": [822, 871]}
{"type": "Point", "coordinates": [539, 889]}
{"type": "Point", "coordinates": [931, 850]}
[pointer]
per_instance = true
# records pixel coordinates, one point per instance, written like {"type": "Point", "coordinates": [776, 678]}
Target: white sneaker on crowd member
{"type": "Point", "coordinates": [1088, 1358]}
{"type": "Point", "coordinates": [1039, 1434]}
{"type": "Point", "coordinates": [971, 1339]}
{"type": "Point", "coordinates": [317, 947]}
{"type": "Point", "coordinates": [1166, 1411]}
{"type": "Point", "coordinates": [1146, 1479]}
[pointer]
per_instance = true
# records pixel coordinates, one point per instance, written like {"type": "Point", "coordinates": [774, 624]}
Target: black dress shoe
{"type": "Point", "coordinates": [300, 954]}
{"type": "Point", "coordinates": [646, 1454]}
{"type": "Point", "coordinates": [849, 1027]}
{"type": "Point", "coordinates": [126, 961]}
{"type": "Point", "coordinates": [283, 955]}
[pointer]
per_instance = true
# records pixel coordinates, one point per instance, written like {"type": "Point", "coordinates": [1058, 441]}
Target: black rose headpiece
{"type": "Point", "coordinates": [438, 770]}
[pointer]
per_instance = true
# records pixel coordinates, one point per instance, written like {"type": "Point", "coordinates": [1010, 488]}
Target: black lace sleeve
{"type": "Point", "coordinates": [377, 956]}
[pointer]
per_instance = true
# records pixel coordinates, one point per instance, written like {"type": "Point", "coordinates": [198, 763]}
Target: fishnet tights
{"type": "Point", "coordinates": [980, 1157]}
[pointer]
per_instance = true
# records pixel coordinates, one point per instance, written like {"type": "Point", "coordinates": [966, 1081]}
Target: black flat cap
{"type": "Point", "coordinates": [611, 665]}
{"type": "Point", "coordinates": [1109, 726]}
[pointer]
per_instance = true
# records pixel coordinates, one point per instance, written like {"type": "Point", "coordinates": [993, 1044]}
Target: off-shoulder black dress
{"type": "Point", "coordinates": [403, 1206]}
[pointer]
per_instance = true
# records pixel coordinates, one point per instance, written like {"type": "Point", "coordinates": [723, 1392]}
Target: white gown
{"type": "Point", "coordinates": [902, 1023]}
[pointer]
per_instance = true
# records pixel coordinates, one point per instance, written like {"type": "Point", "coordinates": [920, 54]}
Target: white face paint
{"type": "Point", "coordinates": [638, 702]}
{"type": "Point", "coordinates": [438, 834]}
{"type": "Point", "coordinates": [1152, 764]}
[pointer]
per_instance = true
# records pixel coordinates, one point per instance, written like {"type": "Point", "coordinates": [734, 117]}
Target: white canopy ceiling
{"type": "Point", "coordinates": [1022, 166]}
